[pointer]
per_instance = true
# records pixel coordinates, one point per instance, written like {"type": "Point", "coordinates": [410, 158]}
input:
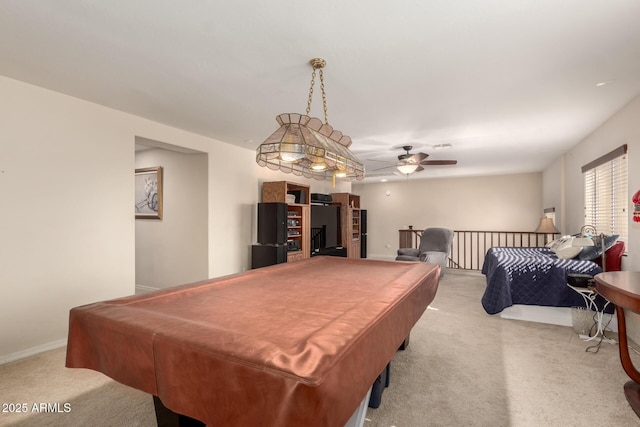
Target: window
{"type": "Point", "coordinates": [605, 193]}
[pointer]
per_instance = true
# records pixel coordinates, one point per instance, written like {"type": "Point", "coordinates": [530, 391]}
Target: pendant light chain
{"type": "Point", "coordinates": [324, 98]}
{"type": "Point", "coordinates": [313, 82]}
{"type": "Point", "coordinates": [317, 64]}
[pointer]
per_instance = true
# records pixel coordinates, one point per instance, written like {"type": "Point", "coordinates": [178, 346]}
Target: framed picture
{"type": "Point", "coordinates": [149, 193]}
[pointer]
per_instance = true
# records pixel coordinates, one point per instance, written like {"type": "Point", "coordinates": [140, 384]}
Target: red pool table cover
{"type": "Point", "coordinates": [295, 344]}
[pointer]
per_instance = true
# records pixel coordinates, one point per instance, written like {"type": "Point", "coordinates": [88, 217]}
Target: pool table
{"type": "Point", "coordinates": [287, 345]}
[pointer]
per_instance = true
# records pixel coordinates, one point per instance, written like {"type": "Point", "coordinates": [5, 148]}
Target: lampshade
{"type": "Point", "coordinates": [408, 168]}
{"type": "Point", "coordinates": [303, 145]}
{"type": "Point", "coordinates": [546, 227]}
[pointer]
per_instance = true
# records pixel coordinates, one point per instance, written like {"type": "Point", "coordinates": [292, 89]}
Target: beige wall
{"type": "Point", "coordinates": [553, 192]}
{"type": "Point", "coordinates": [499, 203]}
{"type": "Point", "coordinates": [622, 128]}
{"type": "Point", "coordinates": [66, 209]}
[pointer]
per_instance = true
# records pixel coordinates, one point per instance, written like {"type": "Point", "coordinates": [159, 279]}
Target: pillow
{"type": "Point", "coordinates": [558, 242]}
{"type": "Point", "coordinates": [551, 243]}
{"type": "Point", "coordinates": [564, 248]}
{"type": "Point", "coordinates": [589, 253]}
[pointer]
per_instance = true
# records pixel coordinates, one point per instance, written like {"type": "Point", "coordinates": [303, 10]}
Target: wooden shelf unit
{"type": "Point", "coordinates": [350, 222]}
{"type": "Point", "coordinates": [299, 214]}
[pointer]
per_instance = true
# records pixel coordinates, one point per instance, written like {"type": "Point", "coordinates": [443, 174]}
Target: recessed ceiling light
{"type": "Point", "coordinates": [383, 180]}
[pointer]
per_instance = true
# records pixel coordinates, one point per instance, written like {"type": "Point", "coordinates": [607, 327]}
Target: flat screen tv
{"type": "Point", "coordinates": [325, 227]}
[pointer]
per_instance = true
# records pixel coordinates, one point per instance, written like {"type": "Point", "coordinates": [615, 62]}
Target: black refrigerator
{"type": "Point", "coordinates": [363, 233]}
{"type": "Point", "coordinates": [272, 235]}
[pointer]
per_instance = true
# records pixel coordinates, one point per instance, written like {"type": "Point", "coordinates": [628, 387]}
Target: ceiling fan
{"type": "Point", "coordinates": [409, 163]}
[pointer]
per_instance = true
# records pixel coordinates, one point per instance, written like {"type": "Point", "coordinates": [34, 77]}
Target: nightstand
{"type": "Point", "coordinates": [589, 295]}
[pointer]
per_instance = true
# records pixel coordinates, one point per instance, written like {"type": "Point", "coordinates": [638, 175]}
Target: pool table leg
{"type": "Point", "coordinates": [167, 418]}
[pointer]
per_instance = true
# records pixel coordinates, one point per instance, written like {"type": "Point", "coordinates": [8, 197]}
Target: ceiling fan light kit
{"type": "Point", "coordinates": [303, 145]}
{"type": "Point", "coordinates": [407, 169]}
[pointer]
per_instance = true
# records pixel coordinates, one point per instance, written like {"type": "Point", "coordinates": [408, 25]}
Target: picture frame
{"type": "Point", "coordinates": [148, 193]}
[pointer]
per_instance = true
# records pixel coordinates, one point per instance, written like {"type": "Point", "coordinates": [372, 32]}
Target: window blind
{"type": "Point", "coordinates": [606, 193]}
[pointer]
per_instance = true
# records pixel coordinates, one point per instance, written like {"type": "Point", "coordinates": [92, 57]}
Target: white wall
{"type": "Point", "coordinates": [503, 203]}
{"type": "Point", "coordinates": [67, 230]}
{"type": "Point", "coordinates": [553, 184]}
{"type": "Point", "coordinates": [66, 236]}
{"type": "Point", "coordinates": [622, 128]}
{"type": "Point", "coordinates": [174, 250]}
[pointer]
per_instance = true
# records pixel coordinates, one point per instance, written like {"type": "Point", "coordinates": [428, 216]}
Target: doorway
{"type": "Point", "coordinates": [173, 250]}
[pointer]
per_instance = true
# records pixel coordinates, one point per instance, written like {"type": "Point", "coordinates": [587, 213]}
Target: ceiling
{"type": "Point", "coordinates": [511, 85]}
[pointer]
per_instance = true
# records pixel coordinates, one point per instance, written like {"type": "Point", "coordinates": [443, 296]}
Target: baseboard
{"type": "Point", "coordinates": [536, 313]}
{"type": "Point", "coordinates": [32, 351]}
{"type": "Point", "coordinates": [551, 315]}
{"type": "Point", "coordinates": [142, 289]}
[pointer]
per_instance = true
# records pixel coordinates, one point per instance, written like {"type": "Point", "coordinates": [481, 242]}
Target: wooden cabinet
{"type": "Point", "coordinates": [350, 222]}
{"type": "Point", "coordinates": [296, 196]}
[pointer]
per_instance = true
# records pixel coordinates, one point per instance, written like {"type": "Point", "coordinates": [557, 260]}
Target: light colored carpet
{"type": "Point", "coordinates": [462, 368]}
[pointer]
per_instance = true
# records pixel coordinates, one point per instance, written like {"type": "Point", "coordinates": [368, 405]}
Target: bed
{"type": "Point", "coordinates": [537, 276]}
{"type": "Point", "coordinates": [531, 276]}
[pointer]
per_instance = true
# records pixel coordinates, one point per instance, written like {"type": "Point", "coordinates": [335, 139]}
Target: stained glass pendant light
{"type": "Point", "coordinates": [306, 146]}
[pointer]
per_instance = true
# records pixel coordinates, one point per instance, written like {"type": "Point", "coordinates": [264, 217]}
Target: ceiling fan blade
{"type": "Point", "coordinates": [418, 157]}
{"type": "Point", "coordinates": [439, 162]}
{"type": "Point", "coordinates": [412, 158]}
{"type": "Point", "coordinates": [419, 168]}
{"type": "Point", "coordinates": [381, 161]}
{"type": "Point", "coordinates": [384, 167]}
